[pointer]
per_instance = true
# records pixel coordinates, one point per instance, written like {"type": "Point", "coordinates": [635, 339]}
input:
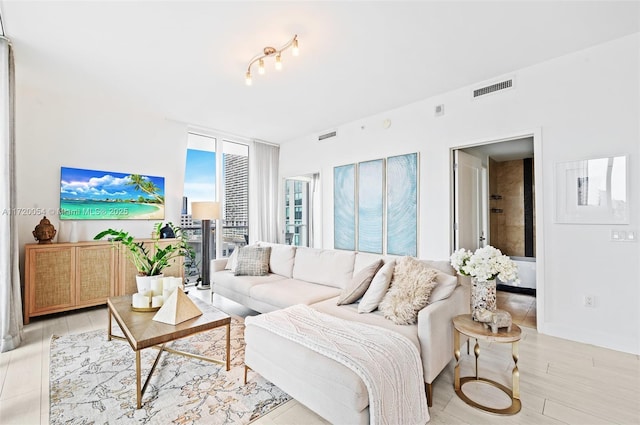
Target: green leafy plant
{"type": "Point", "coordinates": [150, 260]}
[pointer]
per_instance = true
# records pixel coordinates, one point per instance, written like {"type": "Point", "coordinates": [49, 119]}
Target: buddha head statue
{"type": "Point", "coordinates": [44, 232]}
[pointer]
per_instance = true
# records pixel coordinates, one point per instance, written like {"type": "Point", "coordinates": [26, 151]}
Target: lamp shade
{"type": "Point", "coordinates": [205, 210]}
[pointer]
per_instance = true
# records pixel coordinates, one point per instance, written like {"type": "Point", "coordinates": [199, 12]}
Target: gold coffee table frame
{"type": "Point", "coordinates": [141, 331]}
{"type": "Point", "coordinates": [465, 325]}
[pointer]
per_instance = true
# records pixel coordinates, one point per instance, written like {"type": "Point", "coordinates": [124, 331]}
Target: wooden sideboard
{"type": "Point", "coordinates": [68, 276]}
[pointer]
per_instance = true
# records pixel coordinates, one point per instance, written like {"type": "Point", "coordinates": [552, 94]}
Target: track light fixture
{"type": "Point", "coordinates": [268, 52]}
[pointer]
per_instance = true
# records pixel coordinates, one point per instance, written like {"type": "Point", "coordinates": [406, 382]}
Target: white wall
{"type": "Point", "coordinates": [581, 105]}
{"type": "Point", "coordinates": [92, 132]}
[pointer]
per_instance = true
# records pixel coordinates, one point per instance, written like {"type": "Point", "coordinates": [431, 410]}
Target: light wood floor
{"type": "Point", "coordinates": [561, 382]}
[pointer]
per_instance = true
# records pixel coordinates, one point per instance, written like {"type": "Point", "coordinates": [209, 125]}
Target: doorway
{"type": "Point", "coordinates": [494, 204]}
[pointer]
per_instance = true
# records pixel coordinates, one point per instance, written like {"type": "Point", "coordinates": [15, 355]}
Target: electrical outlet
{"type": "Point", "coordinates": [590, 301]}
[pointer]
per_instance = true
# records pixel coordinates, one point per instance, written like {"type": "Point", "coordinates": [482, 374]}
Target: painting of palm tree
{"type": "Point", "coordinates": [144, 184]}
{"type": "Point", "coordinates": [102, 195]}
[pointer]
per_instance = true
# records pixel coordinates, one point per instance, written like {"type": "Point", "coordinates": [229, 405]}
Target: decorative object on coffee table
{"type": "Point", "coordinates": [484, 265]}
{"type": "Point", "coordinates": [177, 308]}
{"type": "Point", "coordinates": [44, 231]}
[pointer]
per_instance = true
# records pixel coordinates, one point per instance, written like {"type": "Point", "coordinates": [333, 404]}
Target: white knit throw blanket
{"type": "Point", "coordinates": [388, 363]}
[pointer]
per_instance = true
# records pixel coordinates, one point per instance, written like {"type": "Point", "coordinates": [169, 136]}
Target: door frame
{"type": "Point", "coordinates": [536, 133]}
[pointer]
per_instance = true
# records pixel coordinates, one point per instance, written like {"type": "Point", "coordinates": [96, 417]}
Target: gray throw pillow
{"type": "Point", "coordinates": [359, 284]}
{"type": "Point", "coordinates": [253, 261]}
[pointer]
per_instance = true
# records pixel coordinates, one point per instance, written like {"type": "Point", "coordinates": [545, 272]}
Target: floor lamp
{"type": "Point", "coordinates": [205, 211]}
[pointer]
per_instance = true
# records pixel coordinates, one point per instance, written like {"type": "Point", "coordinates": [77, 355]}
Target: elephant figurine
{"type": "Point", "coordinates": [495, 319]}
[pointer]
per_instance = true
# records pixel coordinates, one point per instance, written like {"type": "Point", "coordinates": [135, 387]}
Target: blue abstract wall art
{"type": "Point", "coordinates": [344, 207]}
{"type": "Point", "coordinates": [402, 205]}
{"type": "Point", "coordinates": [371, 206]}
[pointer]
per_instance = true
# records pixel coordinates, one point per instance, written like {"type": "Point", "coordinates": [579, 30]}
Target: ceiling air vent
{"type": "Point", "coordinates": [502, 85]}
{"type": "Point", "coordinates": [328, 135]}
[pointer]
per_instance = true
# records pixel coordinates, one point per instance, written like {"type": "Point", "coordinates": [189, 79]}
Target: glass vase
{"type": "Point", "coordinates": [483, 296]}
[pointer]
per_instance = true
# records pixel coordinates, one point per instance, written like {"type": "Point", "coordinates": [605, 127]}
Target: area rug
{"type": "Point", "coordinates": [93, 381]}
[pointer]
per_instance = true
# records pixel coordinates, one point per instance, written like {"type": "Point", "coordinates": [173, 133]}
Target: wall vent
{"type": "Point", "coordinates": [328, 135]}
{"type": "Point", "coordinates": [492, 88]}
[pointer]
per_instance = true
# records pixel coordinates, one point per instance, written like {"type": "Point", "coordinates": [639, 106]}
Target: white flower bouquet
{"type": "Point", "coordinates": [485, 264]}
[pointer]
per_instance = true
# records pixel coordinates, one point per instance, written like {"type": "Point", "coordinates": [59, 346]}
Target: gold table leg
{"type": "Point", "coordinates": [138, 389]}
{"type": "Point", "coordinates": [476, 353]}
{"type": "Point", "coordinates": [515, 374]}
{"type": "Point", "coordinates": [456, 353]}
{"type": "Point", "coordinates": [458, 382]}
{"type": "Point", "coordinates": [228, 346]}
{"type": "Point", "coordinates": [109, 324]}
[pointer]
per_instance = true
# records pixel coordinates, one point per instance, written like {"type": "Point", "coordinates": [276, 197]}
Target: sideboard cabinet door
{"type": "Point", "coordinates": [49, 280]}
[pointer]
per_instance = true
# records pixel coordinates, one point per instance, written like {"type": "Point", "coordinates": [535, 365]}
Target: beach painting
{"type": "Point", "coordinates": [105, 195]}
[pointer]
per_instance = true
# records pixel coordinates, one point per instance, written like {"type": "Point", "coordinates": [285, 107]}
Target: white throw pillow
{"type": "Point", "coordinates": [411, 286]}
{"type": "Point", "coordinates": [379, 286]}
{"type": "Point", "coordinates": [445, 284]}
{"type": "Point", "coordinates": [232, 261]}
{"type": "Point", "coordinates": [359, 284]}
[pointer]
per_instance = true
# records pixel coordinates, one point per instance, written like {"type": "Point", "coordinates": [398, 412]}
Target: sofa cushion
{"type": "Point", "coordinates": [241, 284]}
{"type": "Point", "coordinates": [281, 259]}
{"type": "Point", "coordinates": [411, 286]}
{"type": "Point", "coordinates": [326, 267]}
{"type": "Point", "coordinates": [363, 259]}
{"type": "Point", "coordinates": [359, 284]}
{"type": "Point", "coordinates": [287, 292]}
{"type": "Point", "coordinates": [442, 265]}
{"type": "Point", "coordinates": [350, 312]}
{"type": "Point", "coordinates": [253, 261]}
{"type": "Point", "coordinates": [378, 288]}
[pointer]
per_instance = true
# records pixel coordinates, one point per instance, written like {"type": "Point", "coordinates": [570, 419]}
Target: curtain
{"type": "Point", "coordinates": [10, 298]}
{"type": "Point", "coordinates": [314, 204]}
{"type": "Point", "coordinates": [263, 192]}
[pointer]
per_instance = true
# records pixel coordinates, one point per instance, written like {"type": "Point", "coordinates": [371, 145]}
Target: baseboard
{"type": "Point", "coordinates": [516, 289]}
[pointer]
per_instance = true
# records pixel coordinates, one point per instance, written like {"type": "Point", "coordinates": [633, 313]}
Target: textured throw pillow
{"type": "Point", "coordinates": [410, 289]}
{"type": "Point", "coordinates": [379, 286]}
{"type": "Point", "coordinates": [359, 284]}
{"type": "Point", "coordinates": [253, 261]}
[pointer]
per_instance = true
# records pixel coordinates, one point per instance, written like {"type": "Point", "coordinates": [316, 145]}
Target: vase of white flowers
{"type": "Point", "coordinates": [484, 266]}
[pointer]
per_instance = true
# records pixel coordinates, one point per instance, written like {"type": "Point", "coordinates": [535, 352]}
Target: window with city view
{"type": "Point", "coordinates": [208, 174]}
{"type": "Point", "coordinates": [296, 195]}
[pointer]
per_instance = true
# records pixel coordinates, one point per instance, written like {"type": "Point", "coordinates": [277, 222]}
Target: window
{"type": "Point", "coordinates": [297, 200]}
{"type": "Point", "coordinates": [208, 174]}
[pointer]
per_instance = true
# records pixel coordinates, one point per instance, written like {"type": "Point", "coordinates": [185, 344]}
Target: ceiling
{"type": "Point", "coordinates": [186, 60]}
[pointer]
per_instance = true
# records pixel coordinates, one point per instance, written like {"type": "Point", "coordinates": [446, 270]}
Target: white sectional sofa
{"type": "Point", "coordinates": [316, 277]}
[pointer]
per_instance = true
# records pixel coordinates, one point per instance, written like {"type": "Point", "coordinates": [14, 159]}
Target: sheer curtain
{"type": "Point", "coordinates": [314, 210]}
{"type": "Point", "coordinates": [10, 299]}
{"type": "Point", "coordinates": [263, 192]}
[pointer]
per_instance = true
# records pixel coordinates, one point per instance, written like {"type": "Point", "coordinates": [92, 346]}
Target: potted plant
{"type": "Point", "coordinates": [150, 260]}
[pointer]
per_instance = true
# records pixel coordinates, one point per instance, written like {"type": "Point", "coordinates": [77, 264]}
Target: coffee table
{"type": "Point", "coordinates": [141, 331]}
